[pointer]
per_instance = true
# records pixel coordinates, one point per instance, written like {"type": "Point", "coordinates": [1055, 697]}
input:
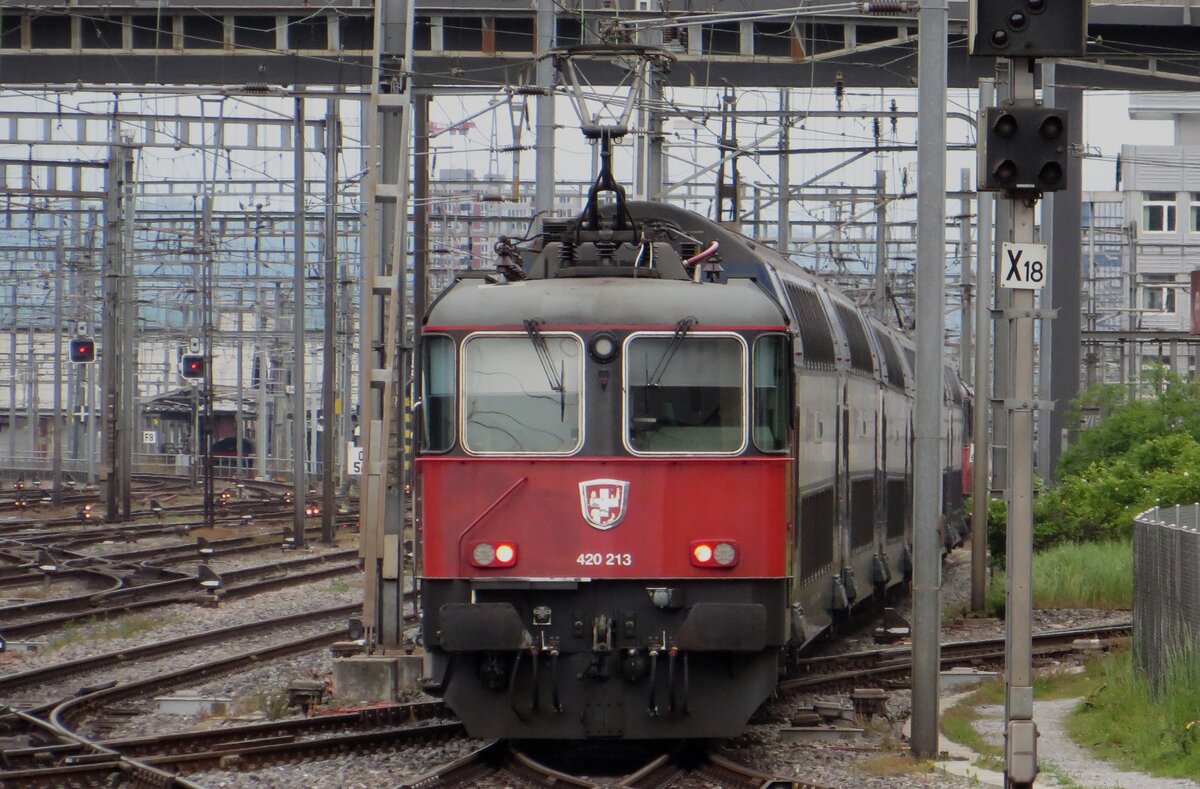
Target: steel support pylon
{"type": "Point", "coordinates": [385, 351]}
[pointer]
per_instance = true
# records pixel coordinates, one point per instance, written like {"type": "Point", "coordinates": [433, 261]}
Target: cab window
{"type": "Point", "coordinates": [437, 394]}
{"type": "Point", "coordinates": [521, 394]}
{"type": "Point", "coordinates": [685, 393]}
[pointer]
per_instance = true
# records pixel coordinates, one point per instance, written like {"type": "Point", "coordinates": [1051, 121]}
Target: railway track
{"type": "Point", "coordinates": [235, 583]}
{"type": "Point", "coordinates": [894, 666]}
{"type": "Point", "coordinates": [92, 763]}
{"type": "Point", "coordinates": [500, 763]}
{"type": "Point", "coordinates": [497, 763]}
{"type": "Point", "coordinates": [11, 684]}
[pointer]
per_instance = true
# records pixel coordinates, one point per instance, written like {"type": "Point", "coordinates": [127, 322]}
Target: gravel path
{"type": "Point", "coordinates": [1058, 755]}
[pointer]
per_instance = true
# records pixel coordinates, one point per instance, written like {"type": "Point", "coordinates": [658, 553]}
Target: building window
{"type": "Point", "coordinates": [1158, 212]}
{"type": "Point", "coordinates": [1195, 212]}
{"type": "Point", "coordinates": [1158, 293]}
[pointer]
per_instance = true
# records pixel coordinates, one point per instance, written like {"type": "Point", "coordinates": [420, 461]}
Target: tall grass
{"type": "Point", "coordinates": [1124, 721]}
{"type": "Point", "coordinates": [1077, 575]}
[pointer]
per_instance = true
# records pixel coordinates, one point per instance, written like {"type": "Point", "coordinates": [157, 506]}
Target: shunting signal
{"type": "Point", "coordinates": [82, 350]}
{"type": "Point", "coordinates": [193, 366]}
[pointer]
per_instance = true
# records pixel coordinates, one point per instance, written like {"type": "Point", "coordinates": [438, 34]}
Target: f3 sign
{"type": "Point", "coordinates": [1023, 265]}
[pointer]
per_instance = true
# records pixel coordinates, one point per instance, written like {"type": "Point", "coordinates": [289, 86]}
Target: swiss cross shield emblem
{"type": "Point", "coordinates": [603, 502]}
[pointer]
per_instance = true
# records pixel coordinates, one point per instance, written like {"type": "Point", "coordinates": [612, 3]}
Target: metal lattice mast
{"type": "Point", "coordinates": [384, 354]}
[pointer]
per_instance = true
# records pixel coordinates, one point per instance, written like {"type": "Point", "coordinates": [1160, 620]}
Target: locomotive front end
{"type": "Point", "coordinates": [604, 492]}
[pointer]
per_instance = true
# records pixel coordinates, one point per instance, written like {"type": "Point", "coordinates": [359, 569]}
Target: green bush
{"type": "Point", "coordinates": [1141, 454]}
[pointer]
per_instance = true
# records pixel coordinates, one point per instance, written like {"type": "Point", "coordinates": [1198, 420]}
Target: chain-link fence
{"type": "Point", "coordinates": [1166, 586]}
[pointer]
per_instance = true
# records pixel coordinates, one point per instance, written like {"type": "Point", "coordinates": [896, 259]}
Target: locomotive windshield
{"type": "Point", "coordinates": [511, 404]}
{"type": "Point", "coordinates": [685, 394]}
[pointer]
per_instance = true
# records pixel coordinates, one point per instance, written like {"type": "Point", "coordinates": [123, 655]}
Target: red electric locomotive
{"type": "Point", "coordinates": [656, 460]}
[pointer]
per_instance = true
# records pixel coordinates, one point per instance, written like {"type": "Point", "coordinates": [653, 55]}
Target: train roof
{"type": "Point", "coordinates": [624, 301]}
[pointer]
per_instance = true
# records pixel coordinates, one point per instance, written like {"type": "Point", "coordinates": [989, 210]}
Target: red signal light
{"type": "Point", "coordinates": [82, 350]}
{"type": "Point", "coordinates": [193, 366]}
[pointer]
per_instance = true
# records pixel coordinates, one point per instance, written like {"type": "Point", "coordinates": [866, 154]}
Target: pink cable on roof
{"type": "Point", "coordinates": [712, 250]}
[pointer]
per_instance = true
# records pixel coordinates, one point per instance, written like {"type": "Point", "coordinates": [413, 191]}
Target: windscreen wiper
{"type": "Point", "coordinates": [553, 377]}
{"type": "Point", "coordinates": [681, 330]}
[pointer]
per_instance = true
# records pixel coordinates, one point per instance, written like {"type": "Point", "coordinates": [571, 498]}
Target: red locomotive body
{"type": "Point", "coordinates": [605, 517]}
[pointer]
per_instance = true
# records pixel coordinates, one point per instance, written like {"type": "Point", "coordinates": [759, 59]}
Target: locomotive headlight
{"type": "Point", "coordinates": [483, 555]}
{"type": "Point", "coordinates": [714, 553]}
{"type": "Point", "coordinates": [500, 554]}
{"type": "Point", "coordinates": [603, 347]}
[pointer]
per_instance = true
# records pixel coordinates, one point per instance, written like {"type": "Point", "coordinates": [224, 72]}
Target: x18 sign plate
{"type": "Point", "coordinates": [1023, 265]}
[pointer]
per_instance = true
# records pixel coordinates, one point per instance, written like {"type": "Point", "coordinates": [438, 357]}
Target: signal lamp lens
{"type": "Point", "coordinates": [999, 39]}
{"type": "Point", "coordinates": [1005, 126]}
{"type": "Point", "coordinates": [1051, 173]}
{"type": "Point", "coordinates": [725, 554]}
{"type": "Point", "coordinates": [1017, 20]}
{"type": "Point", "coordinates": [1036, 6]}
{"type": "Point", "coordinates": [1005, 172]}
{"type": "Point", "coordinates": [1052, 127]}
{"type": "Point", "coordinates": [505, 553]}
{"type": "Point", "coordinates": [702, 553]}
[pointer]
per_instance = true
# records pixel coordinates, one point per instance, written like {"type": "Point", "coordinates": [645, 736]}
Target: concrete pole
{"type": "Point", "coordinates": [983, 323]}
{"type": "Point", "coordinates": [784, 232]}
{"type": "Point", "coordinates": [31, 399]}
{"type": "Point", "coordinates": [12, 383]}
{"type": "Point", "coordinates": [880, 306]}
{"type": "Point", "coordinates": [544, 139]}
{"type": "Point", "coordinates": [299, 477]}
{"type": "Point", "coordinates": [1002, 296]}
{"type": "Point", "coordinates": [1020, 729]}
{"type": "Point", "coordinates": [421, 246]}
{"type": "Point", "coordinates": [59, 427]}
{"type": "Point", "coordinates": [110, 359]}
{"type": "Point", "coordinates": [964, 260]}
{"type": "Point", "coordinates": [128, 332]}
{"type": "Point", "coordinates": [656, 160]}
{"type": "Point", "coordinates": [1061, 352]}
{"type": "Point", "coordinates": [89, 434]}
{"type": "Point", "coordinates": [1093, 346]}
{"type": "Point", "coordinates": [927, 422]}
{"type": "Point", "coordinates": [329, 437]}
{"type": "Point", "coordinates": [262, 358]}
{"type": "Point", "coordinates": [346, 430]}
{"type": "Point", "coordinates": [239, 425]}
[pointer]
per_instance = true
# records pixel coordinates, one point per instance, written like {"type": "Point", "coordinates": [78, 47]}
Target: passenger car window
{"type": "Point", "coordinates": [771, 405]}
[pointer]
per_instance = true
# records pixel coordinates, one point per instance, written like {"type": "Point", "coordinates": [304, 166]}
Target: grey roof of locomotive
{"type": "Point", "coordinates": [604, 301]}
